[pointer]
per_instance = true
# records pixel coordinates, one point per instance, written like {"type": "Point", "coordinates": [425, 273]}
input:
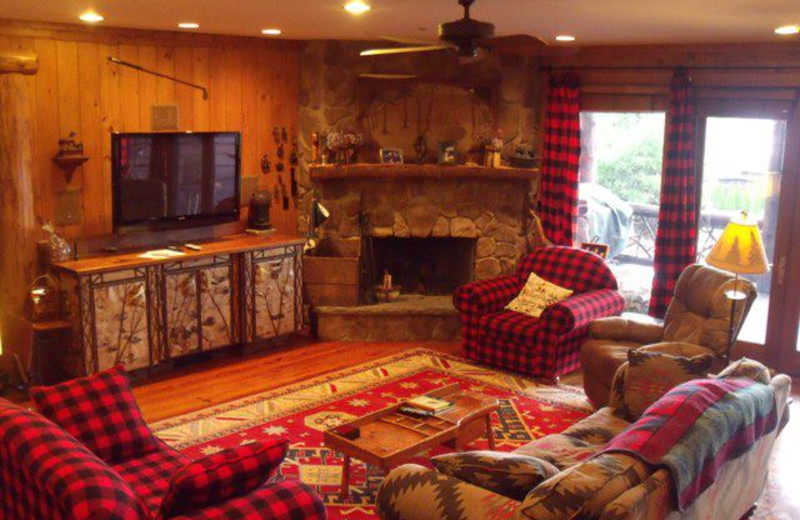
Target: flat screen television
{"type": "Point", "coordinates": [175, 180]}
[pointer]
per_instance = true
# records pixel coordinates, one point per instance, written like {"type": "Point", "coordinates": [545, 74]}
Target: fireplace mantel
{"type": "Point", "coordinates": [419, 171]}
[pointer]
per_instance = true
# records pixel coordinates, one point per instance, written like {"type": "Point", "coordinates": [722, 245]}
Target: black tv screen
{"type": "Point", "coordinates": [163, 180]}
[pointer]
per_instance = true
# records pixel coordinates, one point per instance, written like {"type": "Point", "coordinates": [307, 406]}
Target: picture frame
{"type": "Point", "coordinates": [448, 154]}
{"type": "Point", "coordinates": [597, 248]}
{"type": "Point", "coordinates": [391, 155]}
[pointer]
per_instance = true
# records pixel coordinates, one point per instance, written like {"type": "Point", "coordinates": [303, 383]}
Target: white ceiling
{"type": "Point", "coordinates": [592, 21]}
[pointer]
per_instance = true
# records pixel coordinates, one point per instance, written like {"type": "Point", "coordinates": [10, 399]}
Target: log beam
{"type": "Point", "coordinates": [18, 228]}
{"type": "Point", "coordinates": [18, 62]}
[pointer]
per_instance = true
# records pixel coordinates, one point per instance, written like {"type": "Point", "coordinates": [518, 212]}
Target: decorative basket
{"type": "Point", "coordinates": [42, 302]}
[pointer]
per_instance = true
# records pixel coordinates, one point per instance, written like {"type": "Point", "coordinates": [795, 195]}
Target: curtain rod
{"type": "Point", "coordinates": [720, 68]}
{"type": "Point", "coordinates": [646, 89]}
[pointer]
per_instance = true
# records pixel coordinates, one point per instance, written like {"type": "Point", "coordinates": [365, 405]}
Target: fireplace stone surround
{"type": "Point", "coordinates": [491, 207]}
{"type": "Point", "coordinates": [487, 204]}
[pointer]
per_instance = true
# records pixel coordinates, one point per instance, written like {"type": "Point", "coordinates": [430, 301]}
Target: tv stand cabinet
{"type": "Point", "coordinates": [145, 312]}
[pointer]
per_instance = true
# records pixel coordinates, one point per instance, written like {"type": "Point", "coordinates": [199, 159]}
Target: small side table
{"type": "Point", "coordinates": [45, 343]}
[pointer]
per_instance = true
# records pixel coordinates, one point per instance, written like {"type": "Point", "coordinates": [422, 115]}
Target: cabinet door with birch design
{"type": "Point", "coordinates": [275, 296]}
{"type": "Point", "coordinates": [216, 307]}
{"type": "Point", "coordinates": [120, 311]}
{"type": "Point", "coordinates": [199, 312]}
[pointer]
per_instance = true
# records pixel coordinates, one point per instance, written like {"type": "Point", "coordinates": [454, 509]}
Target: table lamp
{"type": "Point", "coordinates": [740, 251]}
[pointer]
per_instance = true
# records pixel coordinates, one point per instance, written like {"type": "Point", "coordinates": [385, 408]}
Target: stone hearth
{"type": "Point", "coordinates": [412, 317]}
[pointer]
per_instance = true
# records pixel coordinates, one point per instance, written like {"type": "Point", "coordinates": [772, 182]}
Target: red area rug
{"type": "Point", "coordinates": [301, 412]}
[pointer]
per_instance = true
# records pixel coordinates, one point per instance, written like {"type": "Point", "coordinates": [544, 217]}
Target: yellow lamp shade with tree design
{"type": "Point", "coordinates": [739, 250]}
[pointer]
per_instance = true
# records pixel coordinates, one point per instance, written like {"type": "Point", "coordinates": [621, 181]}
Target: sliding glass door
{"type": "Point", "coordinates": [743, 166]}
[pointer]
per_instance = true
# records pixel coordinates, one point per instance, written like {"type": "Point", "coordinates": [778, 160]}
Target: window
{"type": "Point", "coordinates": [620, 183]}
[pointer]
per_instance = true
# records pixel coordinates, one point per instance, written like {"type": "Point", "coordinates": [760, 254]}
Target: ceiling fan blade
{"type": "Point", "coordinates": [368, 75]}
{"type": "Point", "coordinates": [515, 44]}
{"type": "Point", "coordinates": [410, 41]}
{"type": "Point", "coordinates": [404, 50]}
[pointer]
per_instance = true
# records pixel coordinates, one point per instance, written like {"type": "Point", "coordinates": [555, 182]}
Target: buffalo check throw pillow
{"type": "Point", "coordinates": [537, 295]}
{"type": "Point", "coordinates": [222, 476]}
{"type": "Point", "coordinates": [101, 412]}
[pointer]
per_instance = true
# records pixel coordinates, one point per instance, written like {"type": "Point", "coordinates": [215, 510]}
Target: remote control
{"type": "Point", "coordinates": [193, 247]}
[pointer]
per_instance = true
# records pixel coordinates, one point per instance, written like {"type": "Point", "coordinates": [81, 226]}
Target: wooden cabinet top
{"type": "Point", "coordinates": [131, 259]}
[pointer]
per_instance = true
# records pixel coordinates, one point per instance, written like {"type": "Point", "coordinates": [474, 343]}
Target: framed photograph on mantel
{"type": "Point", "coordinates": [448, 154]}
{"type": "Point", "coordinates": [391, 156]}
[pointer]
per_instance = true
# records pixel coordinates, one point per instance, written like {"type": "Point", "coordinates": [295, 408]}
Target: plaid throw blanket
{"type": "Point", "coordinates": [696, 428]}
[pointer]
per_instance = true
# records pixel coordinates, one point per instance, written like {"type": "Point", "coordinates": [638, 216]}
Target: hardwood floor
{"type": "Point", "coordinates": [205, 384]}
{"type": "Point", "coordinates": [208, 383]}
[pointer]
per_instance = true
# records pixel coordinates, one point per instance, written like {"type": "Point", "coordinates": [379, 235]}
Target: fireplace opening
{"type": "Point", "coordinates": [428, 266]}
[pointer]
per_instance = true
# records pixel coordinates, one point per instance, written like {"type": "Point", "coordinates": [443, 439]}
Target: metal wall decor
{"type": "Point", "coordinates": [158, 74]}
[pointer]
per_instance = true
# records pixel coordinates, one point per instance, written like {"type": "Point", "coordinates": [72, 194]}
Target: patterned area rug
{"type": "Point", "coordinates": [303, 411]}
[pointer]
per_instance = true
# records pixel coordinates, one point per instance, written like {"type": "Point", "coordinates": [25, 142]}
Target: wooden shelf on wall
{"type": "Point", "coordinates": [432, 171]}
{"type": "Point", "coordinates": [68, 163]}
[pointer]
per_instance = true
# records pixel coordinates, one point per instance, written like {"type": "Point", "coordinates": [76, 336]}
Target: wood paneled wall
{"type": "Point", "coordinates": [252, 87]}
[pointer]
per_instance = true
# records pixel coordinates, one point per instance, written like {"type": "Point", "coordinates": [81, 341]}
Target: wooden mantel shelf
{"type": "Point", "coordinates": [424, 171]}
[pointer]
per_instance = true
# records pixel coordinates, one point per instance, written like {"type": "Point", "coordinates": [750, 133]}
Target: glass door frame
{"type": "Point", "coordinates": [782, 330]}
{"type": "Point", "coordinates": [784, 304]}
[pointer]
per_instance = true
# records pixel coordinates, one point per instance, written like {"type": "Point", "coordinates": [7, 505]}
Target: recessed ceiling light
{"type": "Point", "coordinates": [565, 38]}
{"type": "Point", "coordinates": [357, 7]}
{"type": "Point", "coordinates": [785, 30]}
{"type": "Point", "coordinates": [271, 32]}
{"type": "Point", "coordinates": [189, 25]}
{"type": "Point", "coordinates": [91, 17]}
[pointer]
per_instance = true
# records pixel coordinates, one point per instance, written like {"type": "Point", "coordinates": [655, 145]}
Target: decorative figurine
{"type": "Point", "coordinates": [315, 156]}
{"type": "Point", "coordinates": [69, 146]}
{"type": "Point", "coordinates": [492, 156]}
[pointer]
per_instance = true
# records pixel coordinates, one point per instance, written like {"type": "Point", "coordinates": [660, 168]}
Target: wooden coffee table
{"type": "Point", "coordinates": [388, 438]}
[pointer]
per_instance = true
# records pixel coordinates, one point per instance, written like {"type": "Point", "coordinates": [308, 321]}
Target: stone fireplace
{"type": "Point", "coordinates": [432, 228]}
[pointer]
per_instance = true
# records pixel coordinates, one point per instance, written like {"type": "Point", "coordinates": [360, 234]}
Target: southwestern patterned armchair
{"type": "Point", "coordinates": [547, 346]}
{"type": "Point", "coordinates": [47, 473]}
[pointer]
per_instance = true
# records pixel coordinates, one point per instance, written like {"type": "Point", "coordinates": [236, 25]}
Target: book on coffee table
{"type": "Point", "coordinates": [429, 404]}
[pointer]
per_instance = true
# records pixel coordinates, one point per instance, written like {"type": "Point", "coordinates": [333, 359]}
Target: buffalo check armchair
{"type": "Point", "coordinates": [547, 346]}
{"type": "Point", "coordinates": [102, 462]}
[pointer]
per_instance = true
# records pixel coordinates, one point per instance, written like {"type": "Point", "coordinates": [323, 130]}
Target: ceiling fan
{"type": "Point", "coordinates": [468, 37]}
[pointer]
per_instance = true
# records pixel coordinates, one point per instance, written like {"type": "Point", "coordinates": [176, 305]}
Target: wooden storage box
{"type": "Point", "coordinates": [332, 273]}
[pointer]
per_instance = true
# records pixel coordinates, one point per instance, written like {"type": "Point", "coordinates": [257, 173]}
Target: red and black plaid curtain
{"type": "Point", "coordinates": [676, 240]}
{"type": "Point", "coordinates": [561, 160]}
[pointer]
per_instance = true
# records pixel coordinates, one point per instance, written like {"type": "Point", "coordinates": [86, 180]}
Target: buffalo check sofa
{"type": "Point", "coordinates": [119, 471]}
{"type": "Point", "coordinates": [547, 346]}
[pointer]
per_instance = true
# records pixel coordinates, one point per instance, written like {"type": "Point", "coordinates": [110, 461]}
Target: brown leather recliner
{"type": "Point", "coordinates": [699, 313]}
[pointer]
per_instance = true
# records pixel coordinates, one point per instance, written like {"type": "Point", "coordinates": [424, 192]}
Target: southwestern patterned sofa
{"type": "Point", "coordinates": [47, 473]}
{"type": "Point", "coordinates": [547, 346]}
{"type": "Point", "coordinates": [585, 484]}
